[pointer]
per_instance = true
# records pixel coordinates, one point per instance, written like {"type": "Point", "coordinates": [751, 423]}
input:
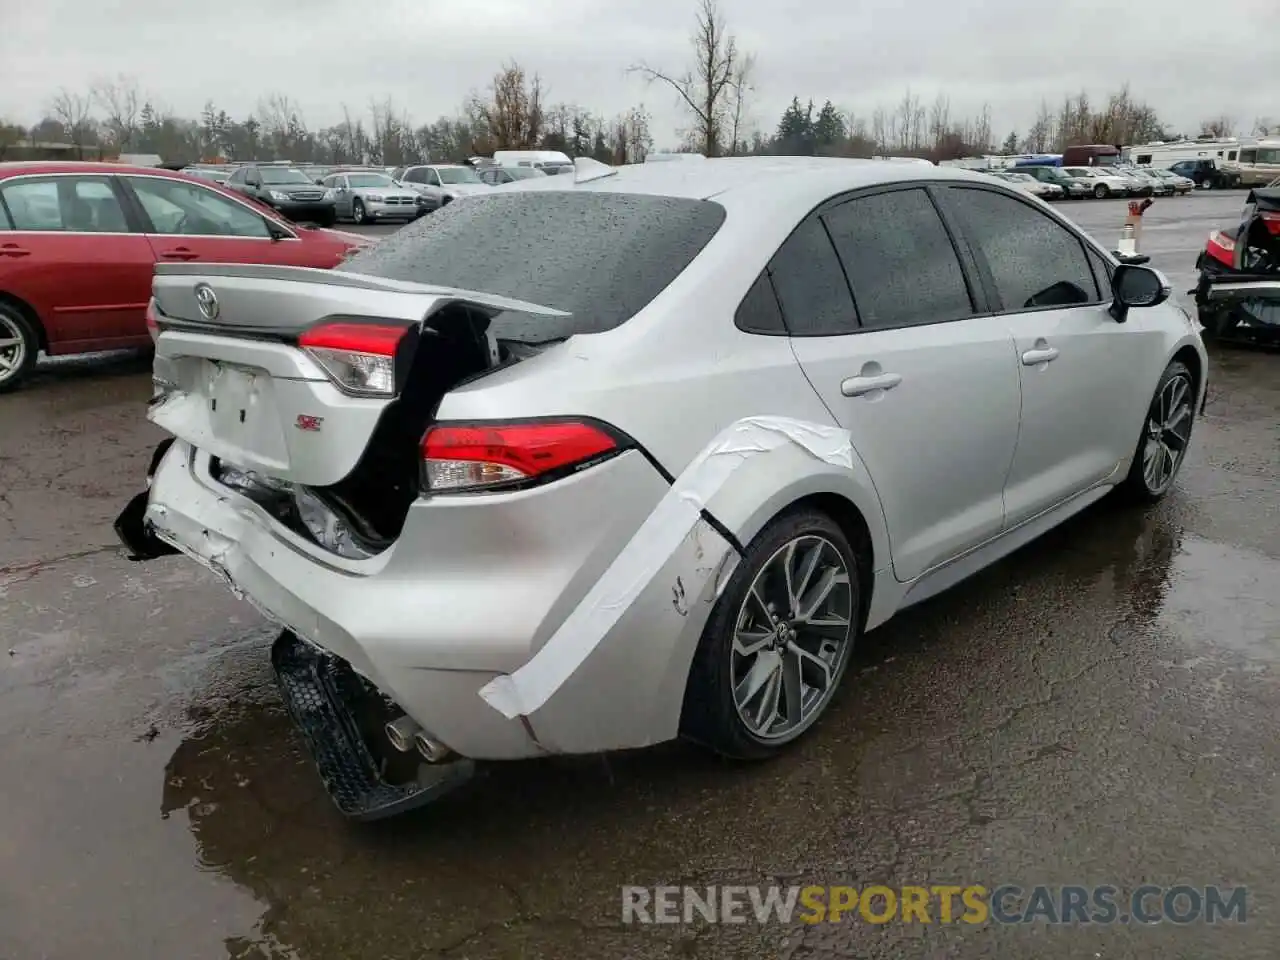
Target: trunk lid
{"type": "Point", "coordinates": [232, 380]}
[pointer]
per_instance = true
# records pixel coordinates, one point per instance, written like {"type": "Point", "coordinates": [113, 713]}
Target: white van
{"type": "Point", "coordinates": [548, 161]}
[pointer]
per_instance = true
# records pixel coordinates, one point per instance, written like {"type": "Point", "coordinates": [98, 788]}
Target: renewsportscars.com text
{"type": "Point", "coordinates": [971, 904]}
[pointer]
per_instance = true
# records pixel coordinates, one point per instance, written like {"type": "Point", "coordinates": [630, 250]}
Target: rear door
{"type": "Point", "coordinates": [926, 384]}
{"type": "Point", "coordinates": [1083, 374]}
{"type": "Point", "coordinates": [78, 258]}
{"type": "Point", "coordinates": [186, 221]}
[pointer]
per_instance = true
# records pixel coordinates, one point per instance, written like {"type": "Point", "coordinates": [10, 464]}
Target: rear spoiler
{"type": "Point", "coordinates": [346, 280]}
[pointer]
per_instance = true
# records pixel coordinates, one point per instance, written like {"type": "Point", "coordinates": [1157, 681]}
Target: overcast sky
{"type": "Point", "coordinates": [1189, 59]}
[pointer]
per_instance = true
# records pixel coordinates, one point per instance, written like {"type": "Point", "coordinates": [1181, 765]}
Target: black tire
{"type": "Point", "coordinates": [14, 321]}
{"type": "Point", "coordinates": [1138, 486]}
{"type": "Point", "coordinates": [710, 716]}
{"type": "Point", "coordinates": [328, 219]}
{"type": "Point", "coordinates": [357, 211]}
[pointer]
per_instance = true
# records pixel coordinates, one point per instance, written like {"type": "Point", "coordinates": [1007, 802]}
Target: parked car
{"type": "Point", "coordinates": [286, 189]}
{"type": "Point", "coordinates": [79, 243]}
{"type": "Point", "coordinates": [1238, 293]}
{"type": "Point", "coordinates": [931, 370]}
{"type": "Point", "coordinates": [216, 174]}
{"type": "Point", "coordinates": [1029, 184]}
{"type": "Point", "coordinates": [1072, 188]}
{"type": "Point", "coordinates": [1206, 174]}
{"type": "Point", "coordinates": [496, 176]}
{"type": "Point", "coordinates": [1178, 184]}
{"type": "Point", "coordinates": [1145, 185]}
{"type": "Point", "coordinates": [1103, 182]}
{"type": "Point", "coordinates": [441, 183]}
{"type": "Point", "coordinates": [362, 197]}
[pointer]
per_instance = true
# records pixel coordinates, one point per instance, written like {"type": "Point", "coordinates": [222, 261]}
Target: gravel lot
{"type": "Point", "coordinates": [1101, 708]}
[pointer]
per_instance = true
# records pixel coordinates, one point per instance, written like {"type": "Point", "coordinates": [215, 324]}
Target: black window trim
{"type": "Point", "coordinates": [984, 269]}
{"type": "Point", "coordinates": [978, 297]}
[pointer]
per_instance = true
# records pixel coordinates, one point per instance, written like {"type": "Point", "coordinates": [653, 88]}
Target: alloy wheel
{"type": "Point", "coordinates": [792, 636]}
{"type": "Point", "coordinates": [1168, 433]}
{"type": "Point", "coordinates": [13, 348]}
{"type": "Point", "coordinates": [357, 211]}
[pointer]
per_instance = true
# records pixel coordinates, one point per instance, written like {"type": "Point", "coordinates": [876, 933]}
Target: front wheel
{"type": "Point", "coordinates": [1166, 434]}
{"type": "Point", "coordinates": [778, 640]}
{"type": "Point", "coordinates": [1102, 191]}
{"type": "Point", "coordinates": [18, 347]}
{"type": "Point", "coordinates": [357, 211]}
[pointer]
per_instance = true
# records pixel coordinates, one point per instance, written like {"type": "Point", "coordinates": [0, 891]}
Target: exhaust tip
{"type": "Point", "coordinates": [430, 749]}
{"type": "Point", "coordinates": [401, 732]}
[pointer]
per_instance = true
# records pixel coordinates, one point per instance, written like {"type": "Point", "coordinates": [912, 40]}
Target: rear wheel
{"type": "Point", "coordinates": [19, 345]}
{"type": "Point", "coordinates": [1101, 191]}
{"type": "Point", "coordinates": [1166, 434]}
{"type": "Point", "coordinates": [778, 640]}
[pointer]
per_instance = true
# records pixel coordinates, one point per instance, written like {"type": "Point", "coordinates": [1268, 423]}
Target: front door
{"type": "Point", "coordinates": [928, 390]}
{"type": "Point", "coordinates": [71, 253]}
{"type": "Point", "coordinates": [1082, 396]}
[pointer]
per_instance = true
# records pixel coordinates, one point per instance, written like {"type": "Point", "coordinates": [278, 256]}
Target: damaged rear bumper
{"type": "Point", "coordinates": [430, 629]}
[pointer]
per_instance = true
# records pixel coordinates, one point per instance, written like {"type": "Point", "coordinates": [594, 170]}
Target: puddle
{"type": "Point", "coordinates": [1223, 596]}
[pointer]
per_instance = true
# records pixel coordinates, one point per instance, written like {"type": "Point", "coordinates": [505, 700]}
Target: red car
{"type": "Point", "coordinates": [79, 243]}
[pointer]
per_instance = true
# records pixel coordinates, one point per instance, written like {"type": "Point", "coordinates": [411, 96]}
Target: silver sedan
{"type": "Point", "coordinates": [589, 463]}
{"type": "Point", "coordinates": [364, 197]}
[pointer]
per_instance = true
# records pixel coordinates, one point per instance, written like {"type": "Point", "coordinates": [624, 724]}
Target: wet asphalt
{"type": "Point", "coordinates": [1101, 708]}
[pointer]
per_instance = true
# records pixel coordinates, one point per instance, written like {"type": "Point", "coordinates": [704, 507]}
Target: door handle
{"type": "Point", "coordinates": [13, 250]}
{"type": "Point", "coordinates": [861, 386]}
{"type": "Point", "coordinates": [1039, 355]}
{"type": "Point", "coordinates": [180, 253]}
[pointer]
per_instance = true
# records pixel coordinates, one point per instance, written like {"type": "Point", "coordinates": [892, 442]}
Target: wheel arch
{"type": "Point", "coordinates": [29, 313]}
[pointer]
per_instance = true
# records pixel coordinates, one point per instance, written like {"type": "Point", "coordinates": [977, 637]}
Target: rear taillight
{"type": "Point", "coordinates": [1272, 221]}
{"type": "Point", "coordinates": [153, 327]}
{"type": "Point", "coordinates": [359, 357]}
{"type": "Point", "coordinates": [1222, 248]}
{"type": "Point", "coordinates": [462, 458]}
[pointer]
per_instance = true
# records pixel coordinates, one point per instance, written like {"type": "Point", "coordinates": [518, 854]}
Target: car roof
{"type": "Point", "coordinates": [28, 167]}
{"type": "Point", "coordinates": [735, 181]}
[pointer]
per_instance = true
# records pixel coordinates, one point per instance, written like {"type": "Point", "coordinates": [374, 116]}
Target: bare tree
{"type": "Point", "coordinates": [1219, 126]}
{"type": "Point", "coordinates": [74, 111]}
{"type": "Point", "coordinates": [1263, 127]}
{"type": "Point", "coordinates": [939, 120]}
{"type": "Point", "coordinates": [10, 136]}
{"type": "Point", "coordinates": [513, 115]}
{"type": "Point", "coordinates": [1042, 135]}
{"type": "Point", "coordinates": [741, 86]}
{"type": "Point", "coordinates": [982, 129]}
{"type": "Point", "coordinates": [121, 103]}
{"type": "Point", "coordinates": [880, 130]}
{"type": "Point", "coordinates": [707, 90]}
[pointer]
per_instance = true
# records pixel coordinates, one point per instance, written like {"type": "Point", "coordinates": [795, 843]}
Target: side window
{"type": "Point", "coordinates": [72, 204]}
{"type": "Point", "coordinates": [237, 176]}
{"type": "Point", "coordinates": [1102, 271]}
{"type": "Point", "coordinates": [901, 263]}
{"type": "Point", "coordinates": [1248, 156]}
{"type": "Point", "coordinates": [1231, 155]}
{"type": "Point", "coordinates": [433, 178]}
{"type": "Point", "coordinates": [416, 175]}
{"type": "Point", "coordinates": [186, 209]}
{"type": "Point", "coordinates": [810, 285]}
{"type": "Point", "coordinates": [759, 311]}
{"type": "Point", "coordinates": [1144, 158]}
{"type": "Point", "coordinates": [1034, 260]}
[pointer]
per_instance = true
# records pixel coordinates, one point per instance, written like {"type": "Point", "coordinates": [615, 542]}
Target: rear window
{"type": "Point", "coordinates": [599, 256]}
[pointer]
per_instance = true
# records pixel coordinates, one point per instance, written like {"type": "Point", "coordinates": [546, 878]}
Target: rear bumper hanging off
{"type": "Point", "coordinates": [317, 689]}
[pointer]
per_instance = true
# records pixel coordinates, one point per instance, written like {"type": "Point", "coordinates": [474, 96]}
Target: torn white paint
{"type": "Point", "coordinates": [523, 692]}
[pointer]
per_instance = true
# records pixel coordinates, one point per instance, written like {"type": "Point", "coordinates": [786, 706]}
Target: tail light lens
{"type": "Point", "coordinates": [359, 357]}
{"type": "Point", "coordinates": [1272, 221]}
{"type": "Point", "coordinates": [463, 458]}
{"type": "Point", "coordinates": [153, 327]}
{"type": "Point", "coordinates": [1222, 248]}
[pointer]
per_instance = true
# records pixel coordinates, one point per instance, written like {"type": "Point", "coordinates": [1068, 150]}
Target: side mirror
{"type": "Point", "coordinates": [1136, 286]}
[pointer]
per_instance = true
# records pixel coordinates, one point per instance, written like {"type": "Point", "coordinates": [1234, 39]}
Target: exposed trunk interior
{"type": "Point", "coordinates": [371, 503]}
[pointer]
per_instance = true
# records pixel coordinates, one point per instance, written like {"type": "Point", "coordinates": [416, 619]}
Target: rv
{"type": "Point", "coordinates": [548, 161]}
{"type": "Point", "coordinates": [1163, 155]}
{"type": "Point", "coordinates": [1259, 163]}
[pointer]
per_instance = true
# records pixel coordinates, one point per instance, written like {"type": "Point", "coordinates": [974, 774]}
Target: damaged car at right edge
{"type": "Point", "coordinates": [599, 460]}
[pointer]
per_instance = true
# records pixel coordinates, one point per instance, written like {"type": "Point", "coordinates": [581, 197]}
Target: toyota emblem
{"type": "Point", "coordinates": [207, 301]}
